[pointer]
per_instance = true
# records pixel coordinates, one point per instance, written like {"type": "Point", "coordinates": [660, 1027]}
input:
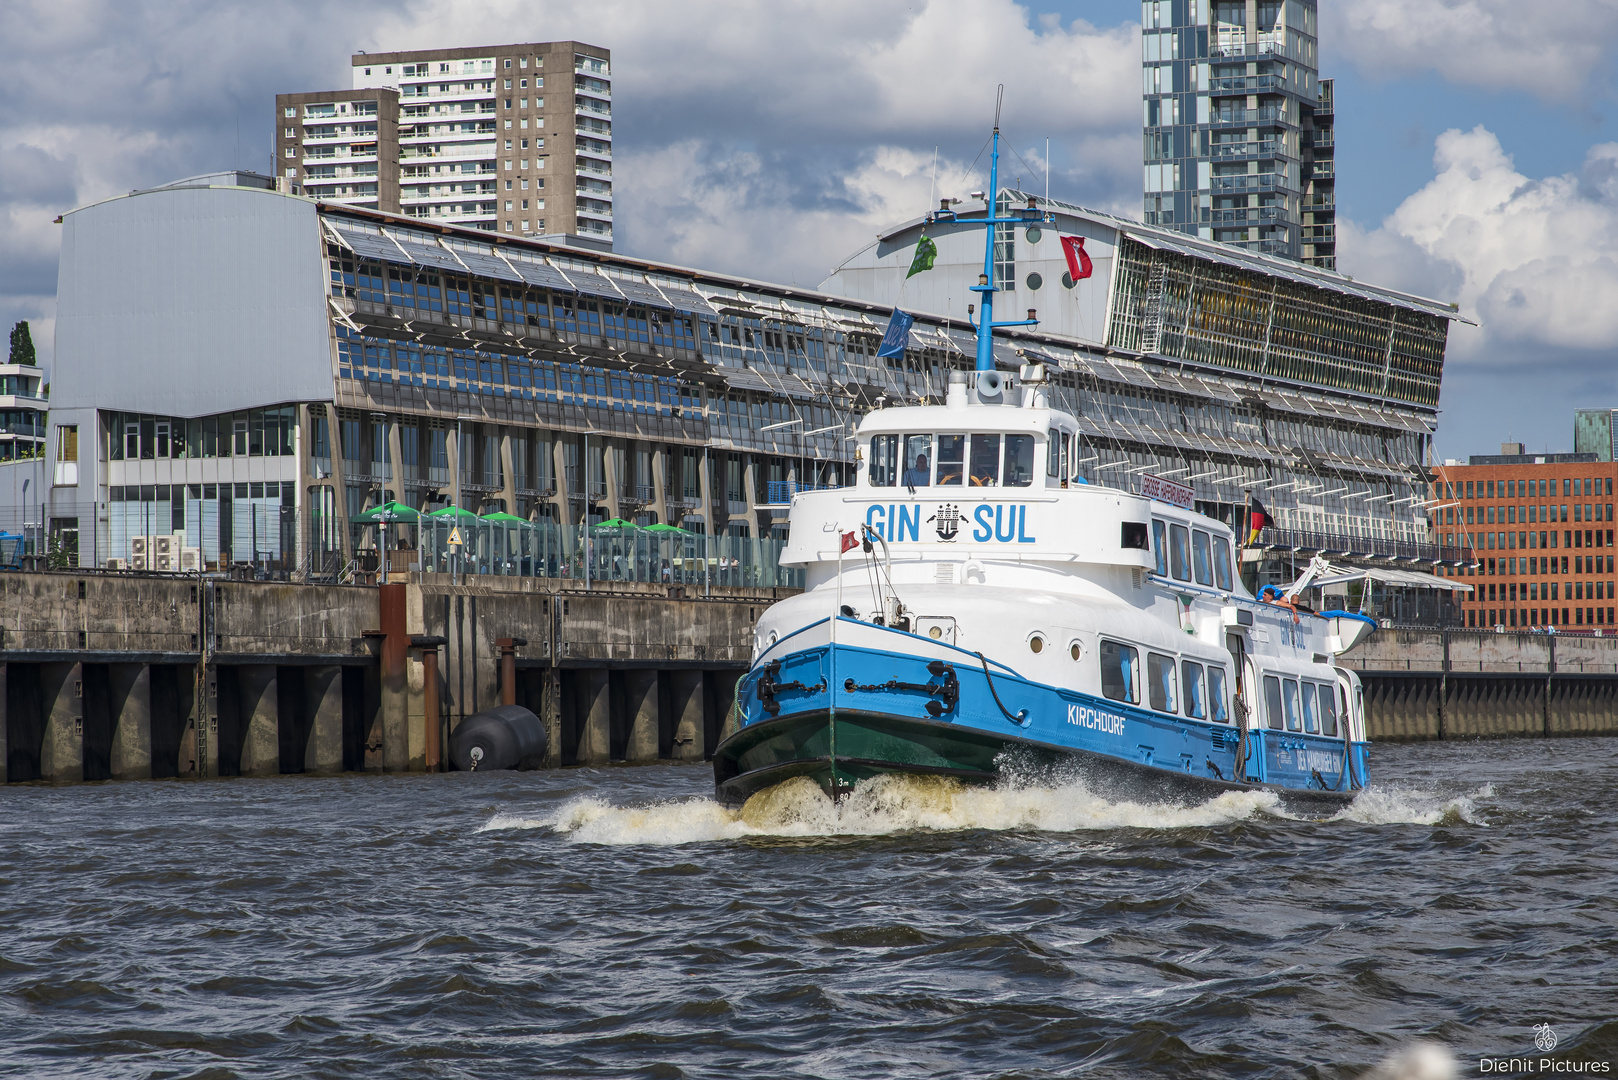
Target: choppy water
{"type": "Point", "coordinates": [617, 923]}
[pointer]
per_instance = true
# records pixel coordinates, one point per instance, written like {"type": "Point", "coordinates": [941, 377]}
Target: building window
{"type": "Point", "coordinates": [290, 111]}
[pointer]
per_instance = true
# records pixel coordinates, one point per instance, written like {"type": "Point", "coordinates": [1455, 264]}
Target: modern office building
{"type": "Point", "coordinates": [1594, 432]}
{"type": "Point", "coordinates": [22, 411]}
{"type": "Point", "coordinates": [253, 370]}
{"type": "Point", "coordinates": [1541, 529]}
{"type": "Point", "coordinates": [1238, 142]}
{"type": "Point", "coordinates": [469, 136]}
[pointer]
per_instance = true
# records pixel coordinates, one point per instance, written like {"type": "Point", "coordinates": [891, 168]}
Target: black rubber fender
{"type": "Point", "coordinates": [504, 737]}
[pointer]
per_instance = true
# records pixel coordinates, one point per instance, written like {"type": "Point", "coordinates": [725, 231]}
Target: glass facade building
{"type": "Point", "coordinates": [1237, 141]}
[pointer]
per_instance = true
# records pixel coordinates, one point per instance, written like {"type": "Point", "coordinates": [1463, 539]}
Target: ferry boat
{"type": "Point", "coordinates": [973, 606]}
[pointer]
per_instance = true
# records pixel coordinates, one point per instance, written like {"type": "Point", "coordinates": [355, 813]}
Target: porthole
{"type": "Point", "coordinates": [1033, 233]}
{"type": "Point", "coordinates": [936, 632]}
{"type": "Point", "coordinates": [1067, 280]}
{"type": "Point", "coordinates": [1036, 643]}
{"type": "Point", "coordinates": [1076, 651]}
{"type": "Point", "coordinates": [1035, 281]}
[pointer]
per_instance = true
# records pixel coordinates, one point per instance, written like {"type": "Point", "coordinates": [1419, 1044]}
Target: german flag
{"type": "Point", "coordinates": [1258, 519]}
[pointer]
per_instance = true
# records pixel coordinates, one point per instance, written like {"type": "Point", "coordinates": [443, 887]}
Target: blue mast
{"type": "Point", "coordinates": [985, 287]}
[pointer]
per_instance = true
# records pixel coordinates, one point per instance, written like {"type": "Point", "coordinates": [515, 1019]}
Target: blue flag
{"type": "Point", "coordinates": [897, 339]}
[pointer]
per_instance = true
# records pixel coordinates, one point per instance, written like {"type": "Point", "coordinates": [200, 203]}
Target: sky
{"type": "Point", "coordinates": [1477, 140]}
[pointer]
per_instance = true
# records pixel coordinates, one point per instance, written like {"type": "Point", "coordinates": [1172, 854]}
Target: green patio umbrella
{"type": "Point", "coordinates": [662, 527]}
{"type": "Point", "coordinates": [505, 518]}
{"type": "Point", "coordinates": [387, 513]}
{"type": "Point", "coordinates": [616, 523]}
{"type": "Point", "coordinates": [456, 513]}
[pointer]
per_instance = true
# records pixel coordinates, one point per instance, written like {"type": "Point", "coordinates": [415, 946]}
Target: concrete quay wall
{"type": "Point", "coordinates": [115, 676]}
{"type": "Point", "coordinates": [1445, 684]}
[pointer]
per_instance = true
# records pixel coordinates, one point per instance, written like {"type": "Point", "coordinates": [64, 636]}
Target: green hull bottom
{"type": "Point", "coordinates": [864, 745]}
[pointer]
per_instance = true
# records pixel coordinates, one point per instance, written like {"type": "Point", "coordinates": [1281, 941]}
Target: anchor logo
{"type": "Point", "coordinates": [949, 522]}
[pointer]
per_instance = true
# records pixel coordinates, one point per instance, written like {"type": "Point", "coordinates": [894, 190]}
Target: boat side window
{"type": "Point", "coordinates": [1160, 682]}
{"type": "Point", "coordinates": [1289, 700]}
{"type": "Point", "coordinates": [1311, 722]}
{"type": "Point", "coordinates": [1180, 552]}
{"type": "Point", "coordinates": [1196, 702]}
{"type": "Point", "coordinates": [1328, 709]}
{"type": "Point", "coordinates": [951, 460]}
{"type": "Point", "coordinates": [1201, 558]}
{"type": "Point", "coordinates": [985, 470]}
{"type": "Point", "coordinates": [1160, 544]}
{"type": "Point", "coordinates": [1272, 702]}
{"type": "Point", "coordinates": [1220, 712]}
{"type": "Point", "coordinates": [1019, 470]}
{"type": "Point", "coordinates": [918, 461]}
{"type": "Point", "coordinates": [1120, 672]}
{"type": "Point", "coordinates": [884, 471]}
{"type": "Point", "coordinates": [1053, 453]}
{"type": "Point", "coordinates": [1221, 563]}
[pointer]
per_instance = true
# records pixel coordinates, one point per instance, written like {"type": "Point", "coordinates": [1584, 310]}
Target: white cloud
{"type": "Point", "coordinates": [1553, 49]}
{"type": "Point", "coordinates": [1535, 262]}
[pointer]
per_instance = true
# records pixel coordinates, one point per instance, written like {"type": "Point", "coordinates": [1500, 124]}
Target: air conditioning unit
{"type": "Point", "coordinates": [138, 560]}
{"type": "Point", "coordinates": [191, 559]}
{"type": "Point", "coordinates": [167, 563]}
{"type": "Point", "coordinates": [117, 564]}
{"type": "Point", "coordinates": [138, 547]}
{"type": "Point", "coordinates": [162, 546]}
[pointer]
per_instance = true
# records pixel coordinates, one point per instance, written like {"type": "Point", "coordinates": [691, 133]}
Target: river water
{"type": "Point", "coordinates": [616, 922]}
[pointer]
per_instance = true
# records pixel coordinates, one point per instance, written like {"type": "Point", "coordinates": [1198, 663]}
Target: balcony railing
{"type": "Point", "coordinates": [1250, 84]}
{"type": "Point", "coordinates": [1248, 182]}
{"type": "Point", "coordinates": [780, 492]}
{"type": "Point", "coordinates": [1364, 547]}
{"type": "Point", "coordinates": [1265, 114]}
{"type": "Point", "coordinates": [1262, 148]}
{"type": "Point", "coordinates": [1240, 214]}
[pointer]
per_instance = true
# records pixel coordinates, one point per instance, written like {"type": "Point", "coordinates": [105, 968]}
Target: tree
{"type": "Point", "coordinates": [22, 344]}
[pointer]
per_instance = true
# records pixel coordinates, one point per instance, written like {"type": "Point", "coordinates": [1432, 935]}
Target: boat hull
{"type": "Point", "coordinates": [840, 713]}
{"type": "Point", "coordinates": [871, 744]}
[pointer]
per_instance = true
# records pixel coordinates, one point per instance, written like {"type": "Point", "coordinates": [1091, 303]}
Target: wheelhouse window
{"type": "Point", "coordinates": [1162, 688]}
{"type": "Point", "coordinates": [985, 469]}
{"type": "Point", "coordinates": [1196, 699]}
{"type": "Point", "coordinates": [1328, 709]}
{"type": "Point", "coordinates": [918, 461]}
{"type": "Point", "coordinates": [1311, 722]}
{"type": "Point", "coordinates": [1289, 699]}
{"type": "Point", "coordinates": [1120, 672]}
{"type": "Point", "coordinates": [951, 460]}
{"type": "Point", "coordinates": [1160, 544]}
{"type": "Point", "coordinates": [1201, 558]}
{"type": "Point", "coordinates": [1216, 696]}
{"type": "Point", "coordinates": [1221, 552]}
{"type": "Point", "coordinates": [1180, 552]}
{"type": "Point", "coordinates": [1019, 470]}
{"type": "Point", "coordinates": [1272, 703]}
{"type": "Point", "coordinates": [884, 470]}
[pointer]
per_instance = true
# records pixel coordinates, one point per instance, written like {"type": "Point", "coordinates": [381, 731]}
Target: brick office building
{"type": "Point", "coordinates": [1540, 530]}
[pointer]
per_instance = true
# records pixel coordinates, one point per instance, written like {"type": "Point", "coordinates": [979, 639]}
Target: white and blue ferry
{"type": "Point", "coordinates": [972, 604]}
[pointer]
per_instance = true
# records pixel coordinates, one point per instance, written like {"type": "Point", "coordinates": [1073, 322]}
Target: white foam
{"type": "Point", "coordinates": [883, 805]}
{"type": "Point", "coordinates": [1418, 1061]}
{"type": "Point", "coordinates": [1397, 806]}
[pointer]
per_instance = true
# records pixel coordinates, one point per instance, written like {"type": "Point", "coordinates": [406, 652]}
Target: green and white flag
{"type": "Point", "coordinates": [926, 252]}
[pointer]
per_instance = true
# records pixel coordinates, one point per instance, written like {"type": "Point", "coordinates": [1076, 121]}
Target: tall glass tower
{"type": "Point", "coordinates": [1238, 145]}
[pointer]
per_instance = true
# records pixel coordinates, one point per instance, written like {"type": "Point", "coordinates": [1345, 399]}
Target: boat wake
{"type": "Point", "coordinates": [880, 806]}
{"type": "Point", "coordinates": [895, 804]}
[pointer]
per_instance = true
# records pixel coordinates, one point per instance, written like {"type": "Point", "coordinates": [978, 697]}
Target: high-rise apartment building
{"type": "Point", "coordinates": [1237, 142]}
{"type": "Point", "coordinates": [472, 137]}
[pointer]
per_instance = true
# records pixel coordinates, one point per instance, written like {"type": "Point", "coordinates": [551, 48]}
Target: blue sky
{"type": "Point", "coordinates": [1477, 147]}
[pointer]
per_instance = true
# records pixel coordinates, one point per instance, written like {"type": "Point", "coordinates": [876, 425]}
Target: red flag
{"type": "Point", "coordinates": [1078, 263]}
{"type": "Point", "coordinates": [851, 540]}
